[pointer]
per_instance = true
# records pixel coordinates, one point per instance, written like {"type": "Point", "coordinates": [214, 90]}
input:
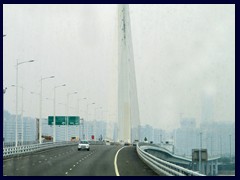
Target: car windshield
{"type": "Point", "coordinates": [83, 142]}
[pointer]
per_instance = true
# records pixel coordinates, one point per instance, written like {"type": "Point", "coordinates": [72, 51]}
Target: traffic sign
{"type": "Point", "coordinates": [62, 120]}
{"type": "Point", "coordinates": [73, 120]}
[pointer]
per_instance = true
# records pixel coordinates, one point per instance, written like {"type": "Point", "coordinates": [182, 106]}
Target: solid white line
{"type": "Point", "coordinates": [115, 162]}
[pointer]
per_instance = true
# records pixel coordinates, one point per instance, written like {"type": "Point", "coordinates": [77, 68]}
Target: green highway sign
{"type": "Point", "coordinates": [62, 120]}
{"type": "Point", "coordinates": [73, 120]}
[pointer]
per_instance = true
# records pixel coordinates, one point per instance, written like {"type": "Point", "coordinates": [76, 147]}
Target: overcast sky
{"type": "Point", "coordinates": [181, 53]}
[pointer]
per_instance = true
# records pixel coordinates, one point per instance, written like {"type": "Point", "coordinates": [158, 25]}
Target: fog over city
{"type": "Point", "coordinates": [182, 54]}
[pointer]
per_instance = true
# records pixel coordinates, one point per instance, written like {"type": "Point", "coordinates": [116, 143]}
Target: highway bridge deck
{"type": "Point", "coordinates": [68, 161]}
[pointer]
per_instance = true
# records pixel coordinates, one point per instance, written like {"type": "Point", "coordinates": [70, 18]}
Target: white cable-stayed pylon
{"type": "Point", "coordinates": [128, 111]}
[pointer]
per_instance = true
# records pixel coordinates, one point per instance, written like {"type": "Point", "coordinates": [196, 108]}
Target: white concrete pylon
{"type": "Point", "coordinates": [128, 112]}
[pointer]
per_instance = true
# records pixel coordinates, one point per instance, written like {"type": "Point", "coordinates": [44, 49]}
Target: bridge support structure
{"type": "Point", "coordinates": [128, 112]}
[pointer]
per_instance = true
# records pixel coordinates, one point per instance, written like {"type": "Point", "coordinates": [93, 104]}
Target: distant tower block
{"type": "Point", "coordinates": [128, 112]}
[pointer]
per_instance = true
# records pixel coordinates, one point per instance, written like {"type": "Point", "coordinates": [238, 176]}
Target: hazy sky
{"type": "Point", "coordinates": [181, 52]}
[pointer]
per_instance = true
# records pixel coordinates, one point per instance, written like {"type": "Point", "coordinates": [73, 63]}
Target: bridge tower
{"type": "Point", "coordinates": [128, 112]}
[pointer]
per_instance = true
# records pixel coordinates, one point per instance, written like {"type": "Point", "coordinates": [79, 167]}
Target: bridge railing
{"type": "Point", "coordinates": [11, 151]}
{"type": "Point", "coordinates": [163, 167]}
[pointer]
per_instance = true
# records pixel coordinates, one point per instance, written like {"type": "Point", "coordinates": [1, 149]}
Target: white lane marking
{"type": "Point", "coordinates": [77, 162]}
{"type": "Point", "coordinates": [39, 161]}
{"type": "Point", "coordinates": [115, 162]}
{"type": "Point", "coordinates": [70, 169]}
{"type": "Point", "coordinates": [74, 165]}
{"type": "Point", "coordinates": [66, 172]}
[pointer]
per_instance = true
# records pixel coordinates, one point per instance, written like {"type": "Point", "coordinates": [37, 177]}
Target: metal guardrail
{"type": "Point", "coordinates": [163, 167]}
{"type": "Point", "coordinates": [11, 151]}
{"type": "Point", "coordinates": [166, 151]}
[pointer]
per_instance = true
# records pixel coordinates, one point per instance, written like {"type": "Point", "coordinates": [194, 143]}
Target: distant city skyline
{"type": "Point", "coordinates": [185, 138]}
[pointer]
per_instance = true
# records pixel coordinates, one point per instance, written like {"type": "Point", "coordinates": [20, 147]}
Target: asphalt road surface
{"type": "Point", "coordinates": [68, 161]}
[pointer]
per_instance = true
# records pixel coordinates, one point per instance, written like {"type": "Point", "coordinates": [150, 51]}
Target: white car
{"type": "Point", "coordinates": [83, 145]}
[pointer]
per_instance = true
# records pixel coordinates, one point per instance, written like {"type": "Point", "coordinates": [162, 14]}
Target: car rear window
{"type": "Point", "coordinates": [84, 142]}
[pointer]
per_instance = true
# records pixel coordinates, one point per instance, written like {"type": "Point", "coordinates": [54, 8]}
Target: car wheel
{"type": "Point", "coordinates": [79, 149]}
{"type": "Point", "coordinates": [88, 149]}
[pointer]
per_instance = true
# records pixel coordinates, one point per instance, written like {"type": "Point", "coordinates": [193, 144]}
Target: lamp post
{"type": "Point", "coordinates": [67, 112]}
{"type": "Point", "coordinates": [54, 109]}
{"type": "Point", "coordinates": [21, 114]}
{"type": "Point", "coordinates": [16, 117]}
{"type": "Point", "coordinates": [4, 91]}
{"type": "Point", "coordinates": [200, 154]}
{"type": "Point", "coordinates": [230, 148]}
{"type": "Point", "coordinates": [79, 115]}
{"type": "Point", "coordinates": [64, 105]}
{"type": "Point", "coordinates": [87, 115]}
{"type": "Point", "coordinates": [40, 118]}
{"type": "Point", "coordinates": [95, 125]}
{"type": "Point", "coordinates": [39, 98]}
{"type": "Point", "coordinates": [78, 108]}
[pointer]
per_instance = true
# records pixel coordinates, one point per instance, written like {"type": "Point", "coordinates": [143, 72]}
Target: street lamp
{"type": "Point", "coordinates": [21, 112]}
{"type": "Point", "coordinates": [54, 109]}
{"type": "Point", "coordinates": [39, 97]}
{"type": "Point", "coordinates": [16, 117]}
{"type": "Point", "coordinates": [230, 148]}
{"type": "Point", "coordinates": [78, 108]}
{"type": "Point", "coordinates": [4, 91]}
{"type": "Point", "coordinates": [200, 154]}
{"type": "Point", "coordinates": [95, 123]}
{"type": "Point", "coordinates": [79, 113]}
{"type": "Point", "coordinates": [87, 116]}
{"type": "Point", "coordinates": [67, 112]}
{"type": "Point", "coordinates": [40, 118]}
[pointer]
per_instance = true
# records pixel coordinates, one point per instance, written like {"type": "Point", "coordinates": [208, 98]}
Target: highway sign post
{"type": "Point", "coordinates": [195, 155]}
